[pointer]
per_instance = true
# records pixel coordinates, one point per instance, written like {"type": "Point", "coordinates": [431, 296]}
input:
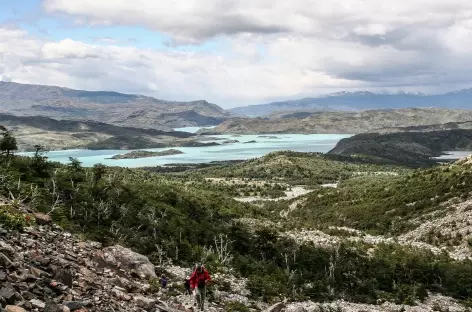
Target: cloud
{"type": "Point", "coordinates": [262, 48]}
{"type": "Point", "coordinates": [195, 21]}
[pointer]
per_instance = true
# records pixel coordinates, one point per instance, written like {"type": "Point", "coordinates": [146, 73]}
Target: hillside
{"type": "Point", "coordinates": [104, 106]}
{"type": "Point", "coordinates": [405, 148]}
{"type": "Point", "coordinates": [68, 134]}
{"type": "Point", "coordinates": [354, 246]}
{"type": "Point", "coordinates": [361, 100]}
{"type": "Point", "coordinates": [345, 122]}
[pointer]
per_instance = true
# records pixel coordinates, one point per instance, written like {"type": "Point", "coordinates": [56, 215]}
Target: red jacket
{"type": "Point", "coordinates": [195, 277]}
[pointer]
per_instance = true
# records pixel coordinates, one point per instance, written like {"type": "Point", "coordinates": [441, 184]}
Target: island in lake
{"type": "Point", "coordinates": [143, 154]}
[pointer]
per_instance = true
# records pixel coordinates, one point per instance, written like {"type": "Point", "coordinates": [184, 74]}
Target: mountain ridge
{"type": "Point", "coordinates": [106, 106]}
{"type": "Point", "coordinates": [361, 100]}
{"type": "Point", "coordinates": [353, 122]}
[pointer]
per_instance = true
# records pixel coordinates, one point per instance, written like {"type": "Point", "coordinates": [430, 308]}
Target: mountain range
{"type": "Point", "coordinates": [361, 100]}
{"type": "Point", "coordinates": [104, 106]}
{"type": "Point", "coordinates": [352, 122]}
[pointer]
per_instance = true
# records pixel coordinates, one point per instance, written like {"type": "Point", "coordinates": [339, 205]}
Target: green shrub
{"type": "Point", "coordinates": [235, 306]}
{"type": "Point", "coordinates": [11, 220]}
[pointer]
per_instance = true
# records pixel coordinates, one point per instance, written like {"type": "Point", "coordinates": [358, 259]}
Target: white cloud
{"type": "Point", "coordinates": [270, 48]}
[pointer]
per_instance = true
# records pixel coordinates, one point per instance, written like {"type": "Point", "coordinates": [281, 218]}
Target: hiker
{"type": "Point", "coordinates": [198, 281]}
{"type": "Point", "coordinates": [188, 291]}
{"type": "Point", "coordinates": [163, 281]}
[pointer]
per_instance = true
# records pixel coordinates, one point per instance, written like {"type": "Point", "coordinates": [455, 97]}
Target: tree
{"type": "Point", "coordinates": [8, 143]}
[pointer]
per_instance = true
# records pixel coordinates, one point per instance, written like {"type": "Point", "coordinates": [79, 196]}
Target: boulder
{"type": "Point", "coordinates": [278, 307]}
{"type": "Point", "coordinates": [145, 303]}
{"type": "Point", "coordinates": [120, 257]}
{"type": "Point", "coordinates": [42, 219]}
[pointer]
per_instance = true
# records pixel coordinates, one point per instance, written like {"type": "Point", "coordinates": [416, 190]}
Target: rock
{"type": "Point", "coordinates": [9, 294]}
{"type": "Point", "coordinates": [27, 295]}
{"type": "Point", "coordinates": [278, 307]}
{"type": "Point", "coordinates": [75, 305]}
{"type": "Point", "coordinates": [144, 302]}
{"type": "Point", "coordinates": [121, 257]}
{"type": "Point", "coordinates": [11, 308]}
{"type": "Point", "coordinates": [7, 249]}
{"type": "Point", "coordinates": [3, 276]}
{"type": "Point", "coordinates": [121, 282]}
{"type": "Point", "coordinates": [36, 272]}
{"type": "Point", "coordinates": [64, 276]}
{"type": "Point", "coordinates": [296, 309]}
{"type": "Point", "coordinates": [42, 219]}
{"type": "Point", "coordinates": [37, 303]}
{"type": "Point", "coordinates": [5, 261]}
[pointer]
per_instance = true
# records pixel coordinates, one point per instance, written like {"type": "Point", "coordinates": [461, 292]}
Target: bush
{"type": "Point", "coordinates": [11, 220]}
{"type": "Point", "coordinates": [235, 306]}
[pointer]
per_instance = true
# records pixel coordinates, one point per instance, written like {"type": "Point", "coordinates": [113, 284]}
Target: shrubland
{"type": "Point", "coordinates": [182, 218]}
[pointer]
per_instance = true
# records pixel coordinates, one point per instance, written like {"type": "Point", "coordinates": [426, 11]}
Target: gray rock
{"type": "Point", "coordinates": [296, 309]}
{"type": "Point", "coordinates": [121, 257]}
{"type": "Point", "coordinates": [51, 306]}
{"type": "Point", "coordinates": [75, 305]}
{"type": "Point", "coordinates": [278, 307]}
{"type": "Point", "coordinates": [5, 261]}
{"type": "Point", "coordinates": [9, 294]}
{"type": "Point", "coordinates": [145, 303]}
{"type": "Point", "coordinates": [64, 276]}
{"type": "Point", "coordinates": [37, 303]}
{"type": "Point", "coordinates": [7, 249]}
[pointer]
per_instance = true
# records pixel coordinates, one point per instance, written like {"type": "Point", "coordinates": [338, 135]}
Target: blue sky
{"type": "Point", "coordinates": [29, 15]}
{"type": "Point", "coordinates": [238, 52]}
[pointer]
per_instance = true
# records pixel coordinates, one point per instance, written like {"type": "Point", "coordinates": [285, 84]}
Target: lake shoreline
{"type": "Point", "coordinates": [210, 152]}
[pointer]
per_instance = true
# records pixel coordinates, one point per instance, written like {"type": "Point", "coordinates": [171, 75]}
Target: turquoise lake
{"type": "Point", "coordinates": [232, 151]}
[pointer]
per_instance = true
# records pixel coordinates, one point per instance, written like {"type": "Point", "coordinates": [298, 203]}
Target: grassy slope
{"type": "Point", "coordinates": [386, 205]}
{"type": "Point", "coordinates": [297, 168]}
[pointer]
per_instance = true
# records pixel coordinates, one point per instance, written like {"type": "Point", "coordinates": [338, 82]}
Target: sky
{"type": "Point", "coordinates": [238, 52]}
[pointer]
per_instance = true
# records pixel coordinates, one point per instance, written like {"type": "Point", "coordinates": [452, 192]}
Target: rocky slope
{"type": "Point", "coordinates": [405, 148]}
{"type": "Point", "coordinates": [359, 101]}
{"type": "Point", "coordinates": [46, 269]}
{"type": "Point", "coordinates": [110, 107]}
{"type": "Point", "coordinates": [344, 122]}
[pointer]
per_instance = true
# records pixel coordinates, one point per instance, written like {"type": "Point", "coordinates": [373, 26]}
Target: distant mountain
{"type": "Point", "coordinates": [105, 106]}
{"type": "Point", "coordinates": [362, 100]}
{"type": "Point", "coordinates": [419, 119]}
